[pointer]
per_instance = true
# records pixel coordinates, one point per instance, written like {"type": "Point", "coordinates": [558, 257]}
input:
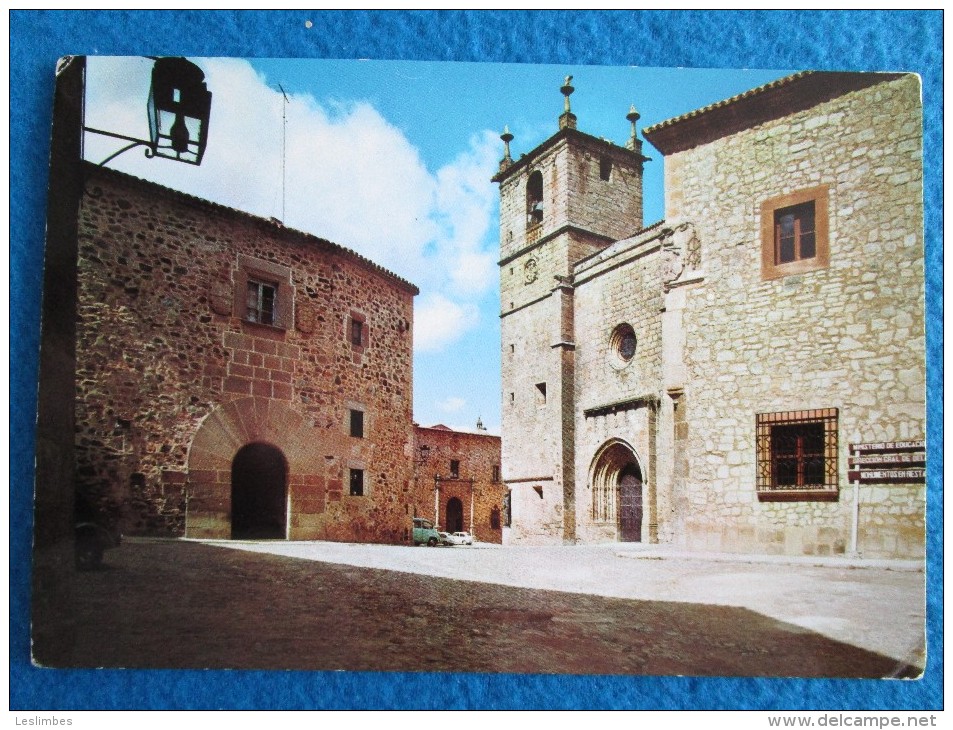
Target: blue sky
{"type": "Point", "coordinates": [394, 160]}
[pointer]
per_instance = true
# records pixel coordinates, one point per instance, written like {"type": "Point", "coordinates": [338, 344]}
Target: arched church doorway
{"type": "Point", "coordinates": [617, 494]}
{"type": "Point", "coordinates": [454, 515]}
{"type": "Point", "coordinates": [259, 493]}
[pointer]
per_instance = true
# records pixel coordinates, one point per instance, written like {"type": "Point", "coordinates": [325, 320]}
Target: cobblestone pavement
{"type": "Point", "coordinates": [167, 603]}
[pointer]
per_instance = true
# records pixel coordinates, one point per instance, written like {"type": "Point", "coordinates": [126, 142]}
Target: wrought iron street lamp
{"type": "Point", "coordinates": [179, 107]}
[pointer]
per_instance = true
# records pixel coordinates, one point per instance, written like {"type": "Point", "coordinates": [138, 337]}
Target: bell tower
{"type": "Point", "coordinates": [568, 198]}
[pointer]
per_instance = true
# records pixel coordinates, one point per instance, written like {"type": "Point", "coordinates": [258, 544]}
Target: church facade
{"type": "Point", "coordinates": [713, 380]}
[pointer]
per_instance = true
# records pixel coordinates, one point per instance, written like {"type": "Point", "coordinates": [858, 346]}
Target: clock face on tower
{"type": "Point", "coordinates": [530, 271]}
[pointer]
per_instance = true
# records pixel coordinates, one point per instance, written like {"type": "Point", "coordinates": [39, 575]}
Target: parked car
{"type": "Point", "coordinates": [445, 538]}
{"type": "Point", "coordinates": [461, 538]}
{"type": "Point", "coordinates": [424, 532]}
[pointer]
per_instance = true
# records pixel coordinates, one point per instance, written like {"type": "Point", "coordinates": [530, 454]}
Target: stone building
{"type": "Point", "coordinates": [700, 381]}
{"type": "Point", "coordinates": [457, 481]}
{"type": "Point", "coordinates": [236, 378]}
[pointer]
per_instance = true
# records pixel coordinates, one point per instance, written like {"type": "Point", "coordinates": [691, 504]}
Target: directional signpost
{"type": "Point", "coordinates": [884, 462]}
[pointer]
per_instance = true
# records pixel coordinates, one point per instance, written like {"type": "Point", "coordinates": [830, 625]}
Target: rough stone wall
{"type": "Point", "coordinates": [162, 353]}
{"type": "Point", "coordinates": [478, 455]}
{"type": "Point", "coordinates": [849, 336]}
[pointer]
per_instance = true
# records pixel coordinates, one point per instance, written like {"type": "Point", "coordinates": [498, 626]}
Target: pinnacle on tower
{"type": "Point", "coordinates": [634, 143]}
{"type": "Point", "coordinates": [567, 118]}
{"type": "Point", "coordinates": [507, 138]}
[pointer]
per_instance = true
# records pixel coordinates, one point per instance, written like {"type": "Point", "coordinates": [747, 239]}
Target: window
{"type": "Point", "coordinates": [794, 233]}
{"type": "Point", "coordinates": [357, 423]}
{"type": "Point", "coordinates": [794, 238]}
{"type": "Point", "coordinates": [357, 483]}
{"type": "Point", "coordinates": [357, 330]}
{"type": "Point", "coordinates": [495, 518]}
{"type": "Point", "coordinates": [454, 469]}
{"type": "Point", "coordinates": [797, 455]}
{"type": "Point", "coordinates": [496, 473]}
{"type": "Point", "coordinates": [540, 394]}
{"type": "Point", "coordinates": [605, 168]}
{"type": "Point", "coordinates": [534, 199]}
{"type": "Point", "coordinates": [260, 302]}
{"type": "Point", "coordinates": [508, 509]}
{"type": "Point", "coordinates": [263, 293]}
{"type": "Point", "coordinates": [622, 344]}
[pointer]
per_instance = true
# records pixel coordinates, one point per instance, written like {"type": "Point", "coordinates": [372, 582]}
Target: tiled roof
{"type": "Point", "coordinates": [771, 101]}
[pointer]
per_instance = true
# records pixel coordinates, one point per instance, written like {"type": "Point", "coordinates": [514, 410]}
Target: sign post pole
{"type": "Point", "coordinates": [855, 521]}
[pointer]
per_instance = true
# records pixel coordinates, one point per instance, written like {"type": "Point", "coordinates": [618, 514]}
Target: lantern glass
{"type": "Point", "coordinates": [179, 106]}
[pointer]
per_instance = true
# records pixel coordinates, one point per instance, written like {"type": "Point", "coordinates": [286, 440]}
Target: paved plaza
{"type": "Point", "coordinates": [614, 609]}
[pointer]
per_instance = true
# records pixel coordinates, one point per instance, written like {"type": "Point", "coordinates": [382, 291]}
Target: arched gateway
{"type": "Point", "coordinates": [252, 465]}
{"type": "Point", "coordinates": [617, 495]}
{"type": "Point", "coordinates": [259, 493]}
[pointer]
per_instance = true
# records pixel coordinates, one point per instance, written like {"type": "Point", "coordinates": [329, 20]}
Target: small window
{"type": "Point", "coordinates": [540, 394]}
{"type": "Point", "coordinates": [260, 302]}
{"type": "Point", "coordinates": [357, 330]}
{"type": "Point", "coordinates": [797, 455]}
{"type": "Point", "coordinates": [496, 473]}
{"type": "Point", "coordinates": [534, 199]}
{"type": "Point", "coordinates": [605, 168]}
{"type": "Point", "coordinates": [508, 509]}
{"type": "Point", "coordinates": [794, 233]}
{"type": "Point", "coordinates": [454, 469]}
{"type": "Point", "coordinates": [357, 423]}
{"type": "Point", "coordinates": [263, 293]}
{"type": "Point", "coordinates": [357, 482]}
{"type": "Point", "coordinates": [495, 518]}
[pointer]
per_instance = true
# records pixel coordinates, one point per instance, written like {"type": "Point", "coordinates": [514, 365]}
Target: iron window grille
{"type": "Point", "coordinates": [797, 455]}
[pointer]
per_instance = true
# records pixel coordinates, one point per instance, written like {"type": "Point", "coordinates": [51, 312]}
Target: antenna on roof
{"type": "Point", "coordinates": [284, 137]}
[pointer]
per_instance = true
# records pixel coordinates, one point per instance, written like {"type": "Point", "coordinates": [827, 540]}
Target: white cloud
{"type": "Point", "coordinates": [439, 322]}
{"type": "Point", "coordinates": [350, 176]}
{"type": "Point", "coordinates": [451, 404]}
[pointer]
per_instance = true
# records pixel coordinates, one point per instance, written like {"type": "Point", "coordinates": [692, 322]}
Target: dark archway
{"type": "Point", "coordinates": [630, 504]}
{"type": "Point", "coordinates": [454, 515]}
{"type": "Point", "coordinates": [259, 493]}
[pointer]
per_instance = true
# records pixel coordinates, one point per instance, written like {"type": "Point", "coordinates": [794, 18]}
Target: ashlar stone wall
{"type": "Point", "coordinates": [848, 336]}
{"type": "Point", "coordinates": [582, 214]}
{"type": "Point", "coordinates": [617, 396]}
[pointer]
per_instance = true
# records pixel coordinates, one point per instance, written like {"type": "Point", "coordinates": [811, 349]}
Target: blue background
{"type": "Point", "coordinates": [832, 40]}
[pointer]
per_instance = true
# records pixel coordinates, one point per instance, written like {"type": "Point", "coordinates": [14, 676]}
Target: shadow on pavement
{"type": "Point", "coordinates": [169, 604]}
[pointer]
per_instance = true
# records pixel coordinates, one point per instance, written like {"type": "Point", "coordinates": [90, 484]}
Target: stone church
{"type": "Point", "coordinates": [713, 380]}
